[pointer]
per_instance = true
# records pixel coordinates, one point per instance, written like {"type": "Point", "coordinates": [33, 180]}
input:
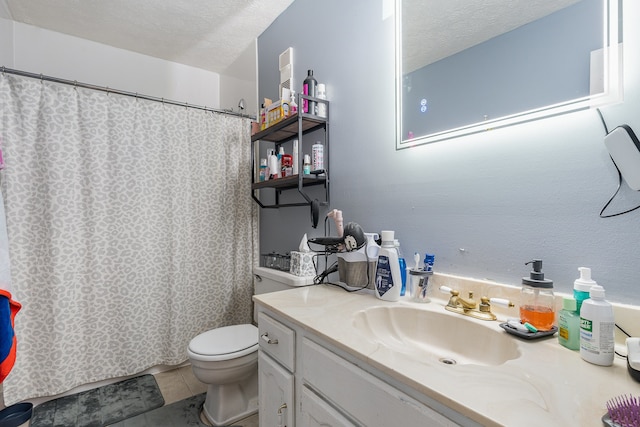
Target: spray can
{"type": "Point", "coordinates": [317, 156]}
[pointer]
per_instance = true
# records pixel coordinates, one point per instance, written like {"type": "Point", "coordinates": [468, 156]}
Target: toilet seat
{"type": "Point", "coordinates": [225, 343]}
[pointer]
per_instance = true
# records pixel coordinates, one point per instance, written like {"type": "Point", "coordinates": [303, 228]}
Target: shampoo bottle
{"type": "Point", "coordinates": [597, 328]}
{"type": "Point", "coordinates": [582, 286]}
{"type": "Point", "coordinates": [388, 278]}
{"type": "Point", "coordinates": [309, 87]}
{"type": "Point", "coordinates": [569, 325]}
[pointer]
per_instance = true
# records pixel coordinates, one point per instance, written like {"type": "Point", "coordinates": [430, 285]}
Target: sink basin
{"type": "Point", "coordinates": [448, 337]}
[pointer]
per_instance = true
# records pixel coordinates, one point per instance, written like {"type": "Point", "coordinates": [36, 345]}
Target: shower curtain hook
{"type": "Point", "coordinates": [75, 85]}
{"type": "Point", "coordinates": [40, 77]}
{"type": "Point", "coordinates": [3, 70]}
{"type": "Point", "coordinates": [186, 105]}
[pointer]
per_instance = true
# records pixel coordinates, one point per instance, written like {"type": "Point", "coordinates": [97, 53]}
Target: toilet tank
{"type": "Point", "coordinates": [269, 280]}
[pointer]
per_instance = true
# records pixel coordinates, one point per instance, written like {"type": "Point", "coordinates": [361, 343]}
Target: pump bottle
{"type": "Point", "coordinates": [537, 305]}
{"type": "Point", "coordinates": [582, 286]}
{"type": "Point", "coordinates": [388, 279]}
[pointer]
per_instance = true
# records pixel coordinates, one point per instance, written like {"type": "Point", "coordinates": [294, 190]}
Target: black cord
{"type": "Point", "coordinates": [606, 130]}
{"type": "Point", "coordinates": [624, 332]}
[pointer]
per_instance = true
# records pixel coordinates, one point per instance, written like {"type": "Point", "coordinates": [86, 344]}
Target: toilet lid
{"type": "Point", "coordinates": [225, 340]}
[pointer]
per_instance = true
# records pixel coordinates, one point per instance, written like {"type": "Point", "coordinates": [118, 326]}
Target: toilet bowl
{"type": "Point", "coordinates": [226, 359]}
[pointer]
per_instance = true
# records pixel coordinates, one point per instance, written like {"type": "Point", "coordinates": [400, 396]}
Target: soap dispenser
{"type": "Point", "coordinates": [582, 286]}
{"type": "Point", "coordinates": [537, 305]}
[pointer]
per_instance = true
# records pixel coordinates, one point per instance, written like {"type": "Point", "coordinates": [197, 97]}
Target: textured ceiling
{"type": "Point", "coordinates": [435, 29]}
{"type": "Point", "coordinates": [214, 34]}
{"type": "Point", "coordinates": [208, 34]}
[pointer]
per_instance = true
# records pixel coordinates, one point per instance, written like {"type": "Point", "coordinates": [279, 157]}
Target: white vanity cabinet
{"type": "Point", "coordinates": [322, 388]}
{"type": "Point", "coordinates": [275, 373]}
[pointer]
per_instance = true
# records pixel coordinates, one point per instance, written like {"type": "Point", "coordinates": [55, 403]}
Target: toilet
{"type": "Point", "coordinates": [226, 358]}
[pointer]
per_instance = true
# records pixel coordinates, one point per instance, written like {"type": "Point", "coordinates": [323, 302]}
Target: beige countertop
{"type": "Point", "coordinates": [547, 385]}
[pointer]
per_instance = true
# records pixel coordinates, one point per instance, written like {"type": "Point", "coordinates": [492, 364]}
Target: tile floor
{"type": "Point", "coordinates": [180, 383]}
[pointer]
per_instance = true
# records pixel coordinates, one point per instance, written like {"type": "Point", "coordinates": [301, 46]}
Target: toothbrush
{"type": "Point", "coordinates": [416, 260]}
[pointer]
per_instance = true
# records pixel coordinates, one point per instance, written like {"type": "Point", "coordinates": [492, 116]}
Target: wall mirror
{"type": "Point", "coordinates": [466, 67]}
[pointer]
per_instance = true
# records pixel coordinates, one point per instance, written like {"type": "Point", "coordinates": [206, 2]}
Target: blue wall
{"type": "Point", "coordinates": [484, 204]}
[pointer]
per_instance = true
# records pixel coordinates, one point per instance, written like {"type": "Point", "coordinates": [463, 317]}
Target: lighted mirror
{"type": "Point", "coordinates": [465, 67]}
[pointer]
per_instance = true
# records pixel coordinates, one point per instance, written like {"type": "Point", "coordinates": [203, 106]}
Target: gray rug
{"type": "Point", "coordinates": [185, 413]}
{"type": "Point", "coordinates": [100, 406]}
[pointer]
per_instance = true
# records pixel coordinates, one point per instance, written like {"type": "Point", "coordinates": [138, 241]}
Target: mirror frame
{"type": "Point", "coordinates": [612, 87]}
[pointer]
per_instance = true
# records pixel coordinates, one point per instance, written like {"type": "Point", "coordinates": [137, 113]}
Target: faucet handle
{"type": "Point", "coordinates": [501, 301]}
{"type": "Point", "coordinates": [447, 290]}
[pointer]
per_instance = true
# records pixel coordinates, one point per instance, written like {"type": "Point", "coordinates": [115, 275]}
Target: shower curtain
{"type": "Point", "coordinates": [131, 229]}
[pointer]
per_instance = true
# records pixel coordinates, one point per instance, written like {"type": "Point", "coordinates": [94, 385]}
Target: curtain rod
{"type": "Point", "coordinates": [118, 92]}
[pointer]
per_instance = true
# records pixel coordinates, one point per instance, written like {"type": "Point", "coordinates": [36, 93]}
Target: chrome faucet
{"type": "Point", "coordinates": [469, 307]}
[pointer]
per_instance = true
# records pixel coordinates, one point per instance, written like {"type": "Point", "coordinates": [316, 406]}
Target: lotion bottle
{"type": "Point", "coordinates": [388, 278]}
{"type": "Point", "coordinates": [569, 325]}
{"type": "Point", "coordinates": [597, 328]}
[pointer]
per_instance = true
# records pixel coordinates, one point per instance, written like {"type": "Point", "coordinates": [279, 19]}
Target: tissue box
{"type": "Point", "coordinates": [302, 264]}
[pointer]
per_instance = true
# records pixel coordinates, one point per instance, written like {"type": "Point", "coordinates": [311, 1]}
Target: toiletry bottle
{"type": "Point", "coordinates": [280, 155]}
{"type": "Point", "coordinates": [537, 305]}
{"type": "Point", "coordinates": [388, 279]}
{"type": "Point", "coordinates": [309, 87]}
{"type": "Point", "coordinates": [264, 170]}
{"type": "Point", "coordinates": [272, 163]}
{"type": "Point", "coordinates": [403, 267]}
{"type": "Point", "coordinates": [293, 105]}
{"type": "Point", "coordinates": [569, 325]}
{"type": "Point", "coordinates": [597, 328]}
{"type": "Point", "coordinates": [317, 156]}
{"type": "Point", "coordinates": [296, 159]}
{"type": "Point", "coordinates": [582, 286]}
{"type": "Point", "coordinates": [322, 94]}
{"type": "Point", "coordinates": [306, 166]}
{"type": "Point", "coordinates": [287, 165]}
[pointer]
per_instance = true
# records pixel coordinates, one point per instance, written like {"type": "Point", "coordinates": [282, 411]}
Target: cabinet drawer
{"type": "Point", "coordinates": [370, 401]}
{"type": "Point", "coordinates": [277, 340]}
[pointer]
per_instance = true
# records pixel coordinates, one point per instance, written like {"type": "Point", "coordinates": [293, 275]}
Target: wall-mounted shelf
{"type": "Point", "coordinates": [294, 127]}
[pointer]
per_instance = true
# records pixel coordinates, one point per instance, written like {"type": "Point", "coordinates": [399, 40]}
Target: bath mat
{"type": "Point", "coordinates": [100, 406]}
{"type": "Point", "coordinates": [185, 413]}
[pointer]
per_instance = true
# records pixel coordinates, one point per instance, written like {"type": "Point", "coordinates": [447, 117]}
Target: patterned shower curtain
{"type": "Point", "coordinates": [131, 229]}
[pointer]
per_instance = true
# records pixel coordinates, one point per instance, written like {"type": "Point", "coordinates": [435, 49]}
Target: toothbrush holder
{"type": "Point", "coordinates": [419, 285]}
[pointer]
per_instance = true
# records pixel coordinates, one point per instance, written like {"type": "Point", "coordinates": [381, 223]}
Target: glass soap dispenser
{"type": "Point", "coordinates": [537, 305]}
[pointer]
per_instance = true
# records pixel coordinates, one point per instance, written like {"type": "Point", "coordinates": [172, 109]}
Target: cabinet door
{"type": "Point", "coordinates": [364, 398]}
{"type": "Point", "coordinates": [315, 412]}
{"type": "Point", "coordinates": [276, 393]}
